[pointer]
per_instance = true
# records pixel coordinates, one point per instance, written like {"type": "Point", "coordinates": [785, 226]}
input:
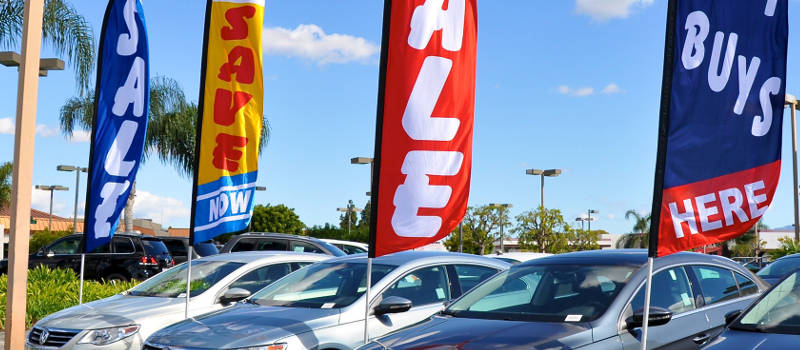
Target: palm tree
{"type": "Point", "coordinates": [641, 231]}
{"type": "Point", "coordinates": [170, 131]}
{"type": "Point", "coordinates": [5, 183]}
{"type": "Point", "coordinates": [63, 29]}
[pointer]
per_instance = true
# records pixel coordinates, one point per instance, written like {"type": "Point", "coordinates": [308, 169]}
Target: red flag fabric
{"type": "Point", "coordinates": [424, 149]}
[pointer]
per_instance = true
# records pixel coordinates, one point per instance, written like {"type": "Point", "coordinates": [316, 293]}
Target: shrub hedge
{"type": "Point", "coordinates": [54, 290]}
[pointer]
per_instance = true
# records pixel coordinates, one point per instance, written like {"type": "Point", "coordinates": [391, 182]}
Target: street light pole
{"type": "Point", "coordinates": [349, 210]}
{"type": "Point", "coordinates": [77, 171]}
{"type": "Point", "coordinates": [591, 211]}
{"type": "Point", "coordinates": [51, 188]}
{"type": "Point", "coordinates": [365, 160]}
{"type": "Point", "coordinates": [543, 173]}
{"type": "Point", "coordinates": [791, 101]}
{"type": "Point", "coordinates": [503, 207]}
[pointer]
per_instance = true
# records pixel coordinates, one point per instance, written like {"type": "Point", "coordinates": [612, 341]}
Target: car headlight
{"type": "Point", "coordinates": [106, 336]}
{"type": "Point", "coordinates": [281, 346]}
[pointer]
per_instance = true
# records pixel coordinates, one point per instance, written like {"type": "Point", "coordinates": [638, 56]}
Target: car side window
{"type": "Point", "coordinates": [424, 286]}
{"type": "Point", "coordinates": [244, 245]}
{"type": "Point", "coordinates": [122, 245]}
{"type": "Point", "coordinates": [272, 244]}
{"type": "Point", "coordinates": [746, 285]}
{"type": "Point", "coordinates": [470, 276]}
{"type": "Point", "coordinates": [261, 277]}
{"type": "Point", "coordinates": [67, 245]}
{"type": "Point", "coordinates": [299, 265]}
{"type": "Point", "coordinates": [176, 248]}
{"type": "Point", "coordinates": [716, 283]}
{"type": "Point", "coordinates": [671, 290]}
{"type": "Point", "coordinates": [303, 247]}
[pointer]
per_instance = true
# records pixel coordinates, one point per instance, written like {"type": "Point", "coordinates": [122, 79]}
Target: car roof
{"type": "Point", "coordinates": [518, 255]}
{"type": "Point", "coordinates": [409, 256]}
{"type": "Point", "coordinates": [635, 257]}
{"type": "Point", "coordinates": [273, 234]}
{"type": "Point", "coordinates": [252, 256]}
{"type": "Point", "coordinates": [339, 241]}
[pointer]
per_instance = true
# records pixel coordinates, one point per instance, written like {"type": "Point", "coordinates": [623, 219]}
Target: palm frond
{"type": "Point", "coordinates": [71, 36]}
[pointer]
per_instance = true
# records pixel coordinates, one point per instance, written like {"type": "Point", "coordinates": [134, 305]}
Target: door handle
{"type": "Point", "coordinates": [701, 338]}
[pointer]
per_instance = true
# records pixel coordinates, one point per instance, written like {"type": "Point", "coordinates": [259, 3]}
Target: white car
{"type": "Point", "coordinates": [125, 320]}
{"type": "Point", "coordinates": [348, 246]}
{"type": "Point", "coordinates": [517, 257]}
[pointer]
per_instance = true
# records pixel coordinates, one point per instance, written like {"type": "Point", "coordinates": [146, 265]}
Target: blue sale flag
{"type": "Point", "coordinates": [120, 123]}
{"type": "Point", "coordinates": [722, 111]}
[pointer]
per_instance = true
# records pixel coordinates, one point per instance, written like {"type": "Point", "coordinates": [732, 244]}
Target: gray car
{"type": "Point", "coordinates": [322, 306]}
{"type": "Point", "coordinates": [589, 300]}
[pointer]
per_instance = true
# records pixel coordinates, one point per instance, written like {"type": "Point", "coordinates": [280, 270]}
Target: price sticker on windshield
{"type": "Point", "coordinates": [573, 318]}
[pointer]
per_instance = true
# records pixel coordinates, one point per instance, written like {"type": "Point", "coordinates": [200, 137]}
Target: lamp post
{"type": "Point", "coordinates": [791, 101]}
{"type": "Point", "coordinates": [543, 173]}
{"type": "Point", "coordinates": [51, 188]}
{"type": "Point", "coordinates": [503, 207]}
{"type": "Point", "coordinates": [77, 171]}
{"type": "Point", "coordinates": [348, 210]}
{"type": "Point", "coordinates": [364, 160]}
{"type": "Point", "coordinates": [589, 219]}
{"type": "Point", "coordinates": [13, 59]}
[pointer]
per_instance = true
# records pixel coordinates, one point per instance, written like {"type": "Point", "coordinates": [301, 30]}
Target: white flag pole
{"type": "Point", "coordinates": [188, 279]}
{"type": "Point", "coordinates": [367, 300]}
{"type": "Point", "coordinates": [647, 290]}
{"type": "Point", "coordinates": [80, 289]}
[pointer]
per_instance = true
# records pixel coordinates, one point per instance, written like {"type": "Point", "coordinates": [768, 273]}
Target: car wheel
{"type": "Point", "coordinates": [115, 277]}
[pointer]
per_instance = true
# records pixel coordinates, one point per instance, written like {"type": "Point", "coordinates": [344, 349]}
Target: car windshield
{"type": "Point", "coordinates": [547, 293]}
{"type": "Point", "coordinates": [172, 283]}
{"type": "Point", "coordinates": [776, 312]}
{"type": "Point", "coordinates": [154, 247]}
{"type": "Point", "coordinates": [780, 267]}
{"type": "Point", "coordinates": [321, 286]}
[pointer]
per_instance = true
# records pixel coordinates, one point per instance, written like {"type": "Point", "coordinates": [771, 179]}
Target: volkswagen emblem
{"type": "Point", "coordinates": [43, 337]}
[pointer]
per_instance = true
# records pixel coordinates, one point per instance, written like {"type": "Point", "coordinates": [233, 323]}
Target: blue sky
{"type": "Point", "coordinates": [560, 84]}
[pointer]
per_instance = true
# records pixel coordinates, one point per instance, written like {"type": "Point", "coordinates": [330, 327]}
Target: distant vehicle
{"type": "Point", "coordinates": [279, 241]}
{"type": "Point", "coordinates": [772, 322]}
{"type": "Point", "coordinates": [591, 300]}
{"type": "Point", "coordinates": [128, 256]}
{"type": "Point", "coordinates": [779, 268]}
{"type": "Point", "coordinates": [514, 258]}
{"type": "Point", "coordinates": [125, 320]}
{"type": "Point", "coordinates": [322, 306]}
{"type": "Point", "coordinates": [179, 248]}
{"type": "Point", "coordinates": [347, 246]}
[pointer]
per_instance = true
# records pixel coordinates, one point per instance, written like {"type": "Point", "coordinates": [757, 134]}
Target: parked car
{"type": "Point", "coordinates": [589, 300]}
{"type": "Point", "coordinates": [123, 321]}
{"type": "Point", "coordinates": [179, 248]}
{"type": "Point", "coordinates": [128, 256]}
{"type": "Point", "coordinates": [348, 246]}
{"type": "Point", "coordinates": [323, 305]}
{"type": "Point", "coordinates": [779, 268]}
{"type": "Point", "coordinates": [514, 258]}
{"type": "Point", "coordinates": [279, 241]}
{"type": "Point", "coordinates": [772, 322]}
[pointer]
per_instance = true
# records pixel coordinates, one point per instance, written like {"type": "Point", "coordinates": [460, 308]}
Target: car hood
{"type": "Point", "coordinates": [740, 340]}
{"type": "Point", "coordinates": [117, 310]}
{"type": "Point", "coordinates": [244, 325]}
{"type": "Point", "coordinates": [441, 332]}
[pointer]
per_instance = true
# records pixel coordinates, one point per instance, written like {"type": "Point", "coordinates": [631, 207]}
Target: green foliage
{"type": "Point", "coordinates": [481, 227]}
{"type": "Point", "coordinates": [43, 238]}
{"type": "Point", "coordinates": [6, 170]}
{"type": "Point", "coordinates": [333, 232]}
{"type": "Point", "coordinates": [543, 230]}
{"type": "Point", "coordinates": [788, 246]}
{"type": "Point", "coordinates": [349, 218]}
{"type": "Point", "coordinates": [278, 218]}
{"type": "Point", "coordinates": [49, 291]}
{"type": "Point", "coordinates": [580, 239]}
{"type": "Point", "coordinates": [640, 238]}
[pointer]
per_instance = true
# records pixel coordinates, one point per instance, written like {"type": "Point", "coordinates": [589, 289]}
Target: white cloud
{"type": "Point", "coordinates": [80, 136]}
{"type": "Point", "coordinates": [40, 200]}
{"type": "Point", "coordinates": [612, 216]}
{"type": "Point", "coordinates": [164, 210]}
{"type": "Point", "coordinates": [587, 90]}
{"type": "Point", "coordinates": [45, 131]}
{"type": "Point", "coordinates": [311, 42]}
{"type": "Point", "coordinates": [6, 126]}
{"type": "Point", "coordinates": [603, 10]}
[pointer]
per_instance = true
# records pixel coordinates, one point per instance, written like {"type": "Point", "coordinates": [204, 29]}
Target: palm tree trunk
{"type": "Point", "coordinates": [129, 209]}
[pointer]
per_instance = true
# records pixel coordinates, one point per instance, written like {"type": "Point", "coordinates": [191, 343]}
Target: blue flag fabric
{"type": "Point", "coordinates": [723, 145]}
{"type": "Point", "coordinates": [120, 123]}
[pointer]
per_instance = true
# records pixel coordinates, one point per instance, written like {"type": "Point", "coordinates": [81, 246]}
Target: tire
{"type": "Point", "coordinates": [115, 277]}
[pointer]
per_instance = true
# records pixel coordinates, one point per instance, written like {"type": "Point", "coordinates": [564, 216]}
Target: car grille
{"type": "Point", "coordinates": [55, 337]}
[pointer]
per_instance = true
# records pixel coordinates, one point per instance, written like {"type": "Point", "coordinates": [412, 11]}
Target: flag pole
{"type": "Point", "coordinates": [661, 158]}
{"type": "Point", "coordinates": [80, 289]}
{"type": "Point", "coordinates": [367, 300]}
{"type": "Point", "coordinates": [188, 279]}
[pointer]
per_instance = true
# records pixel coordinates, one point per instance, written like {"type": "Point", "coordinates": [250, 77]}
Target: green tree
{"type": "Point", "coordinates": [171, 128]}
{"type": "Point", "coordinates": [580, 239]}
{"type": "Point", "coordinates": [747, 244]}
{"type": "Point", "coordinates": [276, 218]}
{"type": "Point", "coordinates": [40, 239]}
{"type": "Point", "coordinates": [788, 246]}
{"type": "Point", "coordinates": [349, 218]}
{"type": "Point", "coordinates": [363, 222]}
{"type": "Point", "coordinates": [481, 228]}
{"type": "Point", "coordinates": [543, 230]}
{"type": "Point", "coordinates": [640, 238]}
{"type": "Point", "coordinates": [6, 170]}
{"type": "Point", "coordinates": [63, 30]}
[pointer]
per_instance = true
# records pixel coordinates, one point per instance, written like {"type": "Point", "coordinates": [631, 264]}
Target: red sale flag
{"type": "Point", "coordinates": [423, 147]}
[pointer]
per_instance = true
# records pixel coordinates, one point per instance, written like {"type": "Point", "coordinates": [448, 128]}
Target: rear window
{"type": "Point", "coordinates": [206, 249]}
{"type": "Point", "coordinates": [154, 247]}
{"type": "Point", "coordinates": [176, 247]}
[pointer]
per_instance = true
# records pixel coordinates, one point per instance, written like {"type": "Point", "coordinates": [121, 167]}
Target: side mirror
{"type": "Point", "coordinates": [392, 305]}
{"type": "Point", "coordinates": [50, 254]}
{"type": "Point", "coordinates": [233, 295]}
{"type": "Point", "coordinates": [658, 316]}
{"type": "Point", "coordinates": [732, 316]}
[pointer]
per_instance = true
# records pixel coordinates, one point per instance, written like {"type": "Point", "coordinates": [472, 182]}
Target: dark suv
{"type": "Point", "coordinates": [279, 241]}
{"type": "Point", "coordinates": [179, 247]}
{"type": "Point", "coordinates": [128, 256]}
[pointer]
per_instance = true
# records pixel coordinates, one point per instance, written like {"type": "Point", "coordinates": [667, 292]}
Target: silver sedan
{"type": "Point", "coordinates": [322, 306]}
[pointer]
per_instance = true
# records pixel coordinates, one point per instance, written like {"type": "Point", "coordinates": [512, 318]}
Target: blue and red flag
{"type": "Point", "coordinates": [721, 115]}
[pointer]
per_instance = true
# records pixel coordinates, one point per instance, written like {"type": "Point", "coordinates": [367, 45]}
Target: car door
{"type": "Point", "coordinates": [671, 290]}
{"type": "Point", "coordinates": [723, 291]}
{"type": "Point", "coordinates": [464, 277]}
{"type": "Point", "coordinates": [63, 253]}
{"type": "Point", "coordinates": [426, 288]}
